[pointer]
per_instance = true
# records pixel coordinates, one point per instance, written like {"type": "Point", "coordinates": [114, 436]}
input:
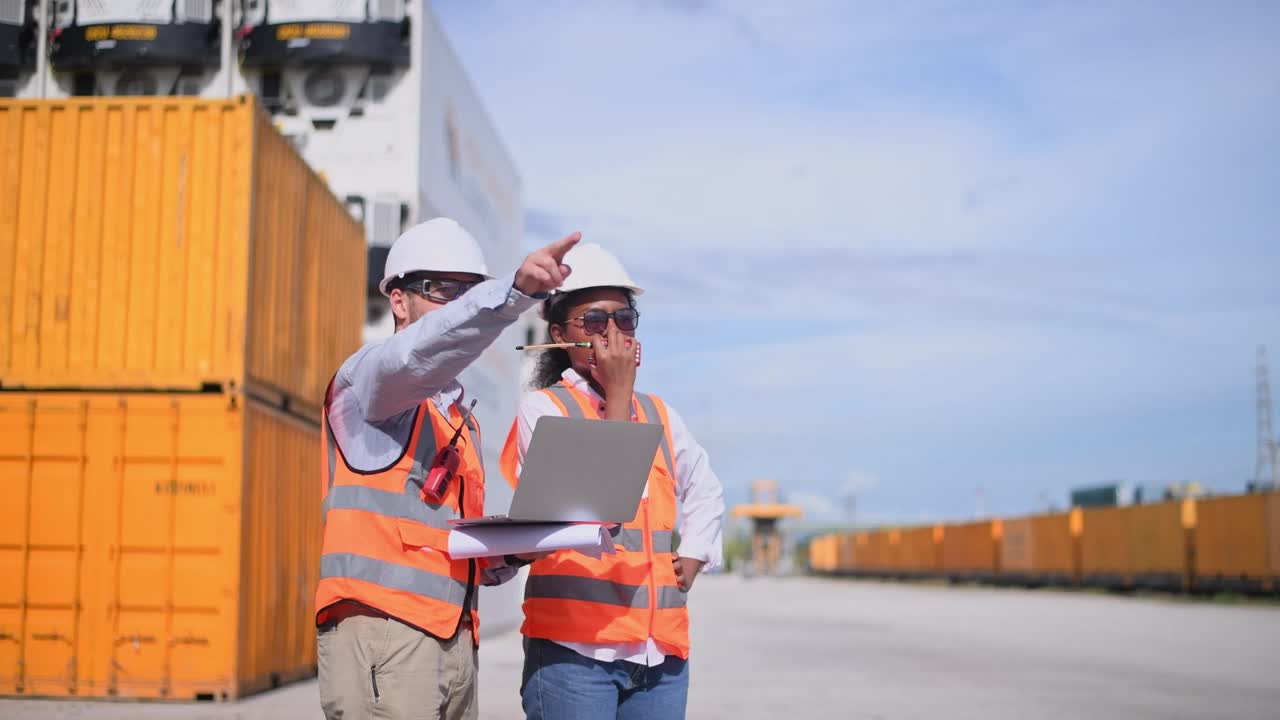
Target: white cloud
{"type": "Point", "coordinates": [614, 130]}
{"type": "Point", "coordinates": [817, 508]}
{"type": "Point", "coordinates": [859, 482]}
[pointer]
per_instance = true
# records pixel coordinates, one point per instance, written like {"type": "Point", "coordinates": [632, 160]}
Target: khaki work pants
{"type": "Point", "coordinates": [375, 668]}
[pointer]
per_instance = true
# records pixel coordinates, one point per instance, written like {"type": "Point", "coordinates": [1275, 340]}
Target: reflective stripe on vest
{"type": "Point", "coordinates": [632, 539]}
{"type": "Point", "coordinates": [391, 575]}
{"type": "Point", "coordinates": [565, 396]}
{"type": "Point", "coordinates": [651, 413]}
{"type": "Point", "coordinates": [407, 505]}
{"type": "Point", "coordinates": [605, 592]}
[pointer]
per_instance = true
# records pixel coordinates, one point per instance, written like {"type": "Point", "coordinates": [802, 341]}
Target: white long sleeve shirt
{"type": "Point", "coordinates": [699, 495]}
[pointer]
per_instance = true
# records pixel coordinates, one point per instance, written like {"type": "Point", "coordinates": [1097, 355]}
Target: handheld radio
{"type": "Point", "coordinates": [445, 464]}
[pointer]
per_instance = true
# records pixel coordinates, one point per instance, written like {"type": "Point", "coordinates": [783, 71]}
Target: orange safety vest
{"type": "Point", "coordinates": [384, 545]}
{"type": "Point", "coordinates": [626, 597]}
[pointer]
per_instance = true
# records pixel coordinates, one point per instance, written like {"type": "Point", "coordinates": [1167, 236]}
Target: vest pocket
{"type": "Point", "coordinates": [416, 535]}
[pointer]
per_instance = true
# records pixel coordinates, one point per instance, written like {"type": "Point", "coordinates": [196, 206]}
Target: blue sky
{"type": "Point", "coordinates": [917, 249]}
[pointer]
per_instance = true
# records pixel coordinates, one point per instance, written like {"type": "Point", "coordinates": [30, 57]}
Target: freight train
{"type": "Point", "coordinates": [1229, 543]}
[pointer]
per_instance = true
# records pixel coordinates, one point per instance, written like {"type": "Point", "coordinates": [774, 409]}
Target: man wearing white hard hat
{"type": "Point", "coordinates": [610, 637]}
{"type": "Point", "coordinates": [397, 626]}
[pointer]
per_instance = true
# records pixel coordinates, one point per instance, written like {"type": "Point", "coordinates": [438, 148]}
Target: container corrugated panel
{"type": "Point", "coordinates": [861, 551]}
{"type": "Point", "coordinates": [169, 244]}
{"type": "Point", "coordinates": [160, 545]}
{"type": "Point", "coordinates": [822, 553]}
{"type": "Point", "coordinates": [1142, 545]}
{"type": "Point", "coordinates": [1273, 535]}
{"type": "Point", "coordinates": [1054, 548]}
{"type": "Point", "coordinates": [280, 565]}
{"type": "Point", "coordinates": [970, 549]}
{"type": "Point", "coordinates": [883, 550]}
{"type": "Point", "coordinates": [1106, 546]}
{"type": "Point", "coordinates": [879, 553]}
{"type": "Point", "coordinates": [833, 553]}
{"type": "Point", "coordinates": [1231, 541]}
{"type": "Point", "coordinates": [1017, 549]}
{"type": "Point", "coordinates": [815, 553]}
{"type": "Point", "coordinates": [1160, 545]}
{"type": "Point", "coordinates": [917, 552]}
{"type": "Point", "coordinates": [845, 556]}
{"type": "Point", "coordinates": [1039, 548]}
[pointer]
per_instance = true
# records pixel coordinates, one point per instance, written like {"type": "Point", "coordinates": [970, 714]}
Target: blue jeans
{"type": "Point", "coordinates": [560, 684]}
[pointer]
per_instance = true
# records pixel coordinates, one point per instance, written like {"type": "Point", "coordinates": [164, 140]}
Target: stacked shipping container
{"type": "Point", "coordinates": [177, 287]}
{"type": "Point", "coordinates": [169, 245]}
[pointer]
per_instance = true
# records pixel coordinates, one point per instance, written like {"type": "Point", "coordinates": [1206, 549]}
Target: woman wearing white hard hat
{"type": "Point", "coordinates": [396, 616]}
{"type": "Point", "coordinates": [609, 637]}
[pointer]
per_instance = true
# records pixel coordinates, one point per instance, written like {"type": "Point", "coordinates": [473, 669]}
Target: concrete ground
{"type": "Point", "coordinates": [814, 648]}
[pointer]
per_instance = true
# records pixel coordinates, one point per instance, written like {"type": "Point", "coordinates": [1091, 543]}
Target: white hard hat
{"type": "Point", "coordinates": [437, 245]}
{"type": "Point", "coordinates": [593, 266]}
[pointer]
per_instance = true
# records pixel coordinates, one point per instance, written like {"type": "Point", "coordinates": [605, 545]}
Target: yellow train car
{"type": "Point", "coordinates": [971, 551]}
{"type": "Point", "coordinates": [1138, 546]}
{"type": "Point", "coordinates": [876, 553]}
{"type": "Point", "coordinates": [1041, 549]}
{"type": "Point", "coordinates": [823, 554]}
{"type": "Point", "coordinates": [918, 551]}
{"type": "Point", "coordinates": [1234, 542]}
{"type": "Point", "coordinates": [846, 553]}
{"type": "Point", "coordinates": [1208, 544]}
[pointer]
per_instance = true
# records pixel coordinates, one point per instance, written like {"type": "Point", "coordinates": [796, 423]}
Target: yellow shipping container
{"type": "Point", "coordinates": [1016, 551]}
{"type": "Point", "coordinates": [823, 552]}
{"type": "Point", "coordinates": [155, 545]}
{"type": "Point", "coordinates": [875, 554]}
{"type": "Point", "coordinates": [833, 553]}
{"type": "Point", "coordinates": [1231, 542]}
{"type": "Point", "coordinates": [917, 551]}
{"type": "Point", "coordinates": [173, 244]}
{"type": "Point", "coordinates": [1139, 545]}
{"type": "Point", "coordinates": [1040, 549]}
{"type": "Point", "coordinates": [861, 552]}
{"type": "Point", "coordinates": [1161, 556]}
{"type": "Point", "coordinates": [1106, 555]}
{"type": "Point", "coordinates": [846, 556]}
{"type": "Point", "coordinates": [971, 550]}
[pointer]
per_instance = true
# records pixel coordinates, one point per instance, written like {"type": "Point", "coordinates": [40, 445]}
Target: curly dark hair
{"type": "Point", "coordinates": [552, 363]}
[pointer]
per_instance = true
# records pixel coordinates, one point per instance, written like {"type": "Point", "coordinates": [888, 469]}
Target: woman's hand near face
{"type": "Point", "coordinates": [615, 370]}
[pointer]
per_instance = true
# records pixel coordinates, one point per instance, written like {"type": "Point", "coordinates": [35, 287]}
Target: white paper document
{"type": "Point", "coordinates": [516, 538]}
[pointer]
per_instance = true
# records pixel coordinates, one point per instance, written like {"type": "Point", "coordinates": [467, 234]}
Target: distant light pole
{"type": "Point", "coordinates": [850, 504]}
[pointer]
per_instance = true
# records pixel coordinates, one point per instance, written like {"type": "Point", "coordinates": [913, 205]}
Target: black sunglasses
{"type": "Point", "coordinates": [596, 322]}
{"type": "Point", "coordinates": [441, 290]}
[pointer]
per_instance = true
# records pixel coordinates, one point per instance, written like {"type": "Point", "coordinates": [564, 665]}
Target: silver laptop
{"type": "Point", "coordinates": [581, 471]}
